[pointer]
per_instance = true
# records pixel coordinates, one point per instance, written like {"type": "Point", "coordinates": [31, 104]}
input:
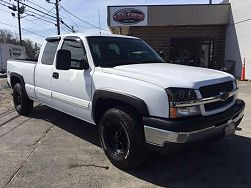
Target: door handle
{"type": "Point", "coordinates": [55, 75]}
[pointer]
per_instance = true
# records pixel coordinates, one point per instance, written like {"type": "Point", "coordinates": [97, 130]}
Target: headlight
{"type": "Point", "coordinates": [180, 95]}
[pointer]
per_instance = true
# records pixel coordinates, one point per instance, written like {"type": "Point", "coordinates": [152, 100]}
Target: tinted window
{"type": "Point", "coordinates": [116, 51]}
{"type": "Point", "coordinates": [78, 54]}
{"type": "Point", "coordinates": [49, 52]}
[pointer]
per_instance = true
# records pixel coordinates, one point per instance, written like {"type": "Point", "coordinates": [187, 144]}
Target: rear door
{"type": "Point", "coordinates": [71, 89]}
{"type": "Point", "coordinates": [43, 71]}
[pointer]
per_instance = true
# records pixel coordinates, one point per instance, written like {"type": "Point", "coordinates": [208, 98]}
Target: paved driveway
{"type": "Point", "coordinates": [52, 149]}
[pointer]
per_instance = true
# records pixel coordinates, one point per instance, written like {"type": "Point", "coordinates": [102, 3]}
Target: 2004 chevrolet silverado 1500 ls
{"type": "Point", "coordinates": [122, 85]}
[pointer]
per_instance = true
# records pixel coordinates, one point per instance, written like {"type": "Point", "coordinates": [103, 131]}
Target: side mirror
{"type": "Point", "coordinates": [63, 61]}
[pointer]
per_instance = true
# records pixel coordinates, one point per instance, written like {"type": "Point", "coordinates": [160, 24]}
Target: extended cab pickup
{"type": "Point", "coordinates": [122, 85]}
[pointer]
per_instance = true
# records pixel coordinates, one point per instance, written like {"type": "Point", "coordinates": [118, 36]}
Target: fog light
{"type": "Point", "coordinates": [184, 111]}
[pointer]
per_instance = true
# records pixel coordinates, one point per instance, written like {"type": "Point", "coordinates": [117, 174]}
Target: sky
{"type": "Point", "coordinates": [87, 10]}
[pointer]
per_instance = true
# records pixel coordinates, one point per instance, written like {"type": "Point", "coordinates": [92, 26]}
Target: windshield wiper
{"type": "Point", "coordinates": [152, 61]}
{"type": "Point", "coordinates": [120, 63]}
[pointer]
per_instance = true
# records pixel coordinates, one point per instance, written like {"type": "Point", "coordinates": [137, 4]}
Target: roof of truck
{"type": "Point", "coordinates": [94, 35]}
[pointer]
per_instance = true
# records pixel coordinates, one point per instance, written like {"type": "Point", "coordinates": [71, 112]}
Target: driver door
{"type": "Point", "coordinates": [71, 89]}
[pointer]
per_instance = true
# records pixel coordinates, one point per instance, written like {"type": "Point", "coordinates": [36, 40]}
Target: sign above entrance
{"type": "Point", "coordinates": [128, 16]}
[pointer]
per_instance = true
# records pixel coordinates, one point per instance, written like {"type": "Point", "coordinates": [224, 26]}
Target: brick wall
{"type": "Point", "coordinates": [159, 38]}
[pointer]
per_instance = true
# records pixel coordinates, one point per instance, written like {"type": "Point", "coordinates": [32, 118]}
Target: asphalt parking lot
{"type": "Point", "coordinates": [52, 149]}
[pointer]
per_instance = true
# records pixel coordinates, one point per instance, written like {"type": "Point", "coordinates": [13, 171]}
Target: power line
{"type": "Point", "coordinates": [18, 16]}
{"type": "Point", "coordinates": [48, 29]}
{"type": "Point", "coordinates": [4, 5]}
{"type": "Point", "coordinates": [82, 19]}
{"type": "Point", "coordinates": [4, 10]}
{"type": "Point", "coordinates": [236, 23]}
{"type": "Point", "coordinates": [65, 30]}
{"type": "Point", "coordinates": [49, 21]}
{"type": "Point", "coordinates": [46, 19]}
{"type": "Point", "coordinates": [24, 4]}
{"type": "Point", "coordinates": [70, 28]}
{"type": "Point", "coordinates": [38, 16]}
{"type": "Point", "coordinates": [27, 14]}
{"type": "Point", "coordinates": [33, 33]}
{"type": "Point", "coordinates": [22, 29]}
{"type": "Point", "coordinates": [8, 24]}
{"type": "Point", "coordinates": [38, 5]}
{"type": "Point", "coordinates": [68, 16]}
{"type": "Point", "coordinates": [7, 3]}
{"type": "Point", "coordinates": [48, 12]}
{"type": "Point", "coordinates": [14, 25]}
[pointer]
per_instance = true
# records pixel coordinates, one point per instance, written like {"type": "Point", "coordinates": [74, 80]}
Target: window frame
{"type": "Point", "coordinates": [50, 40]}
{"type": "Point", "coordinates": [76, 39]}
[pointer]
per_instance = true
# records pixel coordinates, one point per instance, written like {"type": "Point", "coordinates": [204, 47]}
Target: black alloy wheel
{"type": "Point", "coordinates": [22, 103]}
{"type": "Point", "coordinates": [118, 140]}
{"type": "Point", "coordinates": [122, 137]}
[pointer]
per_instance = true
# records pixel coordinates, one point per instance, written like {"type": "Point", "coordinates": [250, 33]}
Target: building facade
{"type": "Point", "coordinates": [238, 38]}
{"type": "Point", "coordinates": [196, 35]}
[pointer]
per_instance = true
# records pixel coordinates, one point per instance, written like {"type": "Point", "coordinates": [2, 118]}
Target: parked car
{"type": "Point", "coordinates": [122, 85]}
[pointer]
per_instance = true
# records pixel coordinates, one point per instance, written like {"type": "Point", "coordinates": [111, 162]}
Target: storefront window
{"type": "Point", "coordinates": [192, 52]}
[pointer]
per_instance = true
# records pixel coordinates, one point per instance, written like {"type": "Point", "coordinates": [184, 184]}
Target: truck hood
{"type": "Point", "coordinates": [171, 75]}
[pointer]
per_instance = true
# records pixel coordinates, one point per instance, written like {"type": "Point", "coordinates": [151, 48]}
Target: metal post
{"type": "Point", "coordinates": [210, 1]}
{"type": "Point", "coordinates": [19, 22]}
{"type": "Point", "coordinates": [57, 14]}
{"type": "Point", "coordinates": [99, 23]}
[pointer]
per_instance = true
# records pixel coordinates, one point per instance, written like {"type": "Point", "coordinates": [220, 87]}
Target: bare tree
{"type": "Point", "coordinates": [32, 48]}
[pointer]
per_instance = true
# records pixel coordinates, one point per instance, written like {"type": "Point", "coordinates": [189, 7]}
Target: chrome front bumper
{"type": "Point", "coordinates": [160, 137]}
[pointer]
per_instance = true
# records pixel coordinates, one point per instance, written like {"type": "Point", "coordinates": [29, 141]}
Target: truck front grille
{"type": "Point", "coordinates": [214, 90]}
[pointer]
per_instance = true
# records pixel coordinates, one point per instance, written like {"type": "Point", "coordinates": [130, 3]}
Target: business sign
{"type": "Point", "coordinates": [128, 16]}
{"type": "Point", "coordinates": [16, 51]}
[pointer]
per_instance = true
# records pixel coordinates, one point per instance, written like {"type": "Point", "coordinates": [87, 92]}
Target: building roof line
{"type": "Point", "coordinates": [221, 4]}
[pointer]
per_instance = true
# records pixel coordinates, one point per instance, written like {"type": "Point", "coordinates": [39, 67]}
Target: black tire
{"type": "Point", "coordinates": [122, 138]}
{"type": "Point", "coordinates": [22, 103]}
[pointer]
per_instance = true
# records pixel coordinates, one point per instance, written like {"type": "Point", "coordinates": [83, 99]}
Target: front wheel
{"type": "Point", "coordinates": [122, 138]}
{"type": "Point", "coordinates": [22, 103]}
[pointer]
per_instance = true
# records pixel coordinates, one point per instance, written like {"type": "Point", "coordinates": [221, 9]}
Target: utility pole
{"type": "Point", "coordinates": [20, 10]}
{"type": "Point", "coordinates": [210, 1]}
{"type": "Point", "coordinates": [19, 22]}
{"type": "Point", "coordinates": [57, 14]}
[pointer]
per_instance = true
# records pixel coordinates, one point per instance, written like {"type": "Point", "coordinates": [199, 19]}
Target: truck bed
{"type": "Point", "coordinates": [22, 67]}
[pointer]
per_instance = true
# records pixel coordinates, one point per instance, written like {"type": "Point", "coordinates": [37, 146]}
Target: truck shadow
{"type": "Point", "coordinates": [70, 124]}
{"type": "Point", "coordinates": [226, 163]}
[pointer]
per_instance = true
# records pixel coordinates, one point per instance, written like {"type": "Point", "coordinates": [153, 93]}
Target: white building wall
{"type": "Point", "coordinates": [238, 36]}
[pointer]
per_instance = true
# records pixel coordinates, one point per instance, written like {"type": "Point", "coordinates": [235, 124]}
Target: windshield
{"type": "Point", "coordinates": [115, 51]}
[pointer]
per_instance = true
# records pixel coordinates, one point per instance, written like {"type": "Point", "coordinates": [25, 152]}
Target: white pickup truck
{"type": "Point", "coordinates": [122, 85]}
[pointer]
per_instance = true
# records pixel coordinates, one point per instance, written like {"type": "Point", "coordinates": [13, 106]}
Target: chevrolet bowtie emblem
{"type": "Point", "coordinates": [224, 96]}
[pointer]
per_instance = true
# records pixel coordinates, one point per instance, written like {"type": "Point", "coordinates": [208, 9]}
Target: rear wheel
{"type": "Point", "coordinates": [22, 103]}
{"type": "Point", "coordinates": [122, 138]}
